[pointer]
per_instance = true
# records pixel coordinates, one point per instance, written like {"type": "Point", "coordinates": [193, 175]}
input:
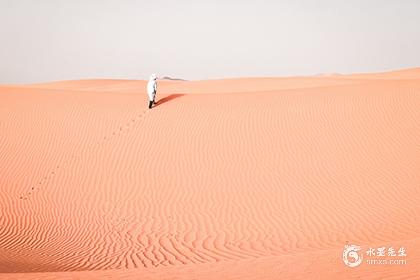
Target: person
{"type": "Point", "coordinates": [151, 90]}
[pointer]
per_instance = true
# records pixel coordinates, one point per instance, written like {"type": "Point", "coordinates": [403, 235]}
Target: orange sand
{"type": "Point", "coordinates": [254, 178]}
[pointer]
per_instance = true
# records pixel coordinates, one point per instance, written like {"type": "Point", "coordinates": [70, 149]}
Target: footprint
{"type": "Point", "coordinates": [67, 161]}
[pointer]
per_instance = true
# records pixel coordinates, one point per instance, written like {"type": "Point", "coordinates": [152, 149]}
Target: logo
{"type": "Point", "coordinates": [351, 255]}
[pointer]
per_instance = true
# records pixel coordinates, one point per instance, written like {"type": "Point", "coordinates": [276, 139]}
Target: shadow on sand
{"type": "Point", "coordinates": [168, 98]}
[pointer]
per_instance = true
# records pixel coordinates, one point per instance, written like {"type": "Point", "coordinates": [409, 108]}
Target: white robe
{"type": "Point", "coordinates": [151, 89]}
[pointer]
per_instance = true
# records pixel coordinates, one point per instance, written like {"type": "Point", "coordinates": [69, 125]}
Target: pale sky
{"type": "Point", "coordinates": [46, 40]}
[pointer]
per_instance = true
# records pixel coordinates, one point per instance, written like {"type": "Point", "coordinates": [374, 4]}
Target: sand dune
{"type": "Point", "coordinates": [254, 178]}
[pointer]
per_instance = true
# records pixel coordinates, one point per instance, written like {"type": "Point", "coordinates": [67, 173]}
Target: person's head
{"type": "Point", "coordinates": [153, 77]}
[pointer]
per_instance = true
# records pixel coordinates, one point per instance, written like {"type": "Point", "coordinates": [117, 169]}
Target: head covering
{"type": "Point", "coordinates": [153, 77]}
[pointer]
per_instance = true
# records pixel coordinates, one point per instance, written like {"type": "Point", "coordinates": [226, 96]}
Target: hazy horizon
{"type": "Point", "coordinates": [49, 40]}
